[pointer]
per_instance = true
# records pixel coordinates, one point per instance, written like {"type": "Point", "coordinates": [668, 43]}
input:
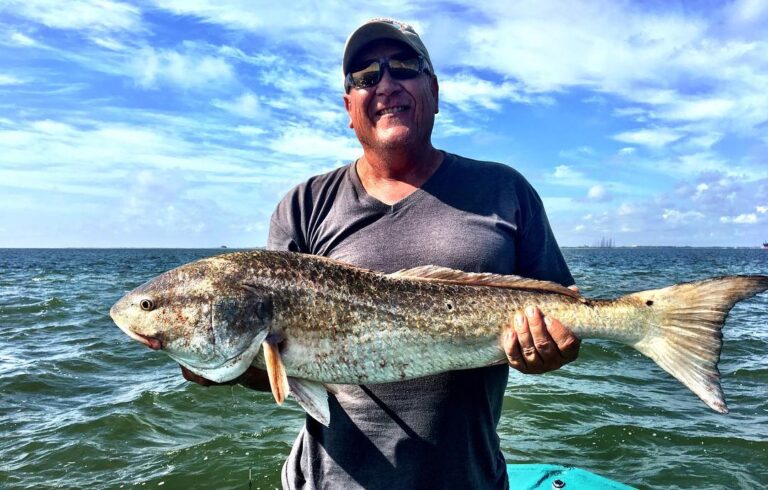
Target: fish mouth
{"type": "Point", "coordinates": [154, 342]}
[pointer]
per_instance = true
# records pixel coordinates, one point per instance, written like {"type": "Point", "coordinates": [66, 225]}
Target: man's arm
{"type": "Point", "coordinates": [536, 344]}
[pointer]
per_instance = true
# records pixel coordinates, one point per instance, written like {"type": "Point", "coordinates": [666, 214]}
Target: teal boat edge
{"type": "Point", "coordinates": [553, 477]}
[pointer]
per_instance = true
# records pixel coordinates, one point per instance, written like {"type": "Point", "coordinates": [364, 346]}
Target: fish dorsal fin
{"type": "Point", "coordinates": [434, 273]}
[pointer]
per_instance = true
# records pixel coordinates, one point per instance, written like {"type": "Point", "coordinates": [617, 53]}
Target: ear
{"type": "Point", "coordinates": [435, 89]}
{"type": "Point", "coordinates": [348, 107]}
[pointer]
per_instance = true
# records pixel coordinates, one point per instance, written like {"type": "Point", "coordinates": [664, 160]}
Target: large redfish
{"type": "Point", "coordinates": [313, 322]}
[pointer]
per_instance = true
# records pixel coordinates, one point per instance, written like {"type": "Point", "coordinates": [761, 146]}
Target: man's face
{"type": "Point", "coordinates": [392, 113]}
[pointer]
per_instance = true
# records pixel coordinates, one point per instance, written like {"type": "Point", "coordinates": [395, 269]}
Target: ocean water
{"type": "Point", "coordinates": [83, 406]}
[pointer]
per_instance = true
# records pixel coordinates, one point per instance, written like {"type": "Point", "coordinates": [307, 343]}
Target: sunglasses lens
{"type": "Point", "coordinates": [368, 76]}
{"type": "Point", "coordinates": [404, 69]}
{"type": "Point", "coordinates": [398, 69]}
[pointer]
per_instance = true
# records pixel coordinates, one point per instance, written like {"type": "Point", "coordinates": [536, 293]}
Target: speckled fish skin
{"type": "Point", "coordinates": [341, 324]}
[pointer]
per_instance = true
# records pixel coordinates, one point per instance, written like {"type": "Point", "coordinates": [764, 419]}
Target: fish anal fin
{"type": "Point", "coordinates": [278, 380]}
{"type": "Point", "coordinates": [433, 273]}
{"type": "Point", "coordinates": [313, 398]}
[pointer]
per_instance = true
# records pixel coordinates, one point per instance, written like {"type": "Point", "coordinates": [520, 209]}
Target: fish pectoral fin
{"type": "Point", "coordinates": [313, 398]}
{"type": "Point", "coordinates": [278, 380]}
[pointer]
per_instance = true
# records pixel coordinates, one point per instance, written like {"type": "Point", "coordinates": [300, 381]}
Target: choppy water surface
{"type": "Point", "coordinates": [83, 406]}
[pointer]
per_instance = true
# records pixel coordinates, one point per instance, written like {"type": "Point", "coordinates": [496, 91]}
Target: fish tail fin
{"type": "Point", "coordinates": [685, 337]}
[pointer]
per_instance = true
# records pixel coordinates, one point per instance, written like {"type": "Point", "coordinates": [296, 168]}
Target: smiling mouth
{"type": "Point", "coordinates": [392, 110]}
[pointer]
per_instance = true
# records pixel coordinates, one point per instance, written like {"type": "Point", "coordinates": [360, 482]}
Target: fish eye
{"type": "Point", "coordinates": [147, 304]}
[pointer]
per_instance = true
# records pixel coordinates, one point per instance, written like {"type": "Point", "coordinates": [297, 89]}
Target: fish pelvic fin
{"type": "Point", "coordinates": [278, 380]}
{"type": "Point", "coordinates": [685, 338]}
{"type": "Point", "coordinates": [313, 398]}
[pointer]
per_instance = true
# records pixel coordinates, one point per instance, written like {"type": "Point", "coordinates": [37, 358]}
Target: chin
{"type": "Point", "coordinates": [397, 138]}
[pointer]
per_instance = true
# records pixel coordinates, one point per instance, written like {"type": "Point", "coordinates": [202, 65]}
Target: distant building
{"type": "Point", "coordinates": [604, 243]}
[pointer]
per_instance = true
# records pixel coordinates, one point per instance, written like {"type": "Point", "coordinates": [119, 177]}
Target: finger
{"type": "Point", "coordinates": [512, 348]}
{"type": "Point", "coordinates": [527, 347]}
{"type": "Point", "coordinates": [567, 343]}
{"type": "Point", "coordinates": [574, 287]}
{"type": "Point", "coordinates": [542, 341]}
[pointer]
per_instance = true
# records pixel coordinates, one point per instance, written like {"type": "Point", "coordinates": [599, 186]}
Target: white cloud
{"type": "Point", "coordinates": [309, 142]}
{"type": "Point", "coordinates": [744, 219]}
{"type": "Point", "coordinates": [446, 125]}
{"type": "Point", "coordinates": [671, 67]}
{"type": "Point", "coordinates": [22, 39]}
{"type": "Point", "coordinates": [747, 11]}
{"type": "Point", "coordinates": [246, 105]}
{"type": "Point", "coordinates": [298, 20]}
{"type": "Point", "coordinates": [704, 140]}
{"type": "Point", "coordinates": [700, 190]}
{"type": "Point", "coordinates": [695, 110]}
{"type": "Point", "coordinates": [706, 161]}
{"type": "Point", "coordinates": [597, 193]}
{"type": "Point", "coordinates": [250, 130]}
{"type": "Point", "coordinates": [674, 216]}
{"type": "Point", "coordinates": [557, 204]}
{"type": "Point", "coordinates": [606, 45]}
{"type": "Point", "coordinates": [656, 137]}
{"type": "Point", "coordinates": [93, 15]}
{"type": "Point", "coordinates": [61, 146]}
{"type": "Point", "coordinates": [761, 209]}
{"type": "Point", "coordinates": [187, 70]}
{"type": "Point", "coordinates": [466, 91]}
{"type": "Point", "coordinates": [469, 92]}
{"type": "Point", "coordinates": [109, 43]}
{"type": "Point", "coordinates": [10, 80]}
{"type": "Point", "coordinates": [568, 175]}
{"type": "Point", "coordinates": [636, 113]}
{"type": "Point", "coordinates": [626, 209]}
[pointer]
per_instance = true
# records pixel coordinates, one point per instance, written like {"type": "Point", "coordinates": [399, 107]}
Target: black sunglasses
{"type": "Point", "coordinates": [371, 74]}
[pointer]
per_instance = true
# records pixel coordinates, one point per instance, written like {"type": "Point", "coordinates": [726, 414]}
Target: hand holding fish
{"type": "Point", "coordinates": [536, 345]}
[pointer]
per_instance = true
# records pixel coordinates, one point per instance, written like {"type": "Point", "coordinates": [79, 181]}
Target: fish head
{"type": "Point", "coordinates": [202, 315]}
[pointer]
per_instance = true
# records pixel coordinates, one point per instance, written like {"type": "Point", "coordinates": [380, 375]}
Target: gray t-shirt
{"type": "Point", "coordinates": [438, 431]}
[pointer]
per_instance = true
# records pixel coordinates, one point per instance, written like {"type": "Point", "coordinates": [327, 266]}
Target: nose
{"type": "Point", "coordinates": [387, 85]}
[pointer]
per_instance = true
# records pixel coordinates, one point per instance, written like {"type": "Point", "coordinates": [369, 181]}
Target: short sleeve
{"type": "Point", "coordinates": [539, 256]}
{"type": "Point", "coordinates": [284, 226]}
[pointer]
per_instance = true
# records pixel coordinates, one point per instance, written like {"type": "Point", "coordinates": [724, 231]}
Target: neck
{"type": "Point", "coordinates": [392, 175]}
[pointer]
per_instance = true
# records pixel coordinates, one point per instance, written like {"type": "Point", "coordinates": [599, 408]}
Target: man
{"type": "Point", "coordinates": [404, 204]}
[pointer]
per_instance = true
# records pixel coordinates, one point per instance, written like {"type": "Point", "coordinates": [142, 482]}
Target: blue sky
{"type": "Point", "coordinates": [181, 123]}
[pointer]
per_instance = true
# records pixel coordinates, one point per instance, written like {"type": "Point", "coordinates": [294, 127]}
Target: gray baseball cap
{"type": "Point", "coordinates": [383, 28]}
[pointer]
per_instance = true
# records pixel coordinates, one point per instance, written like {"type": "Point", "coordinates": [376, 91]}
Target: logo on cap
{"type": "Point", "coordinates": [396, 23]}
